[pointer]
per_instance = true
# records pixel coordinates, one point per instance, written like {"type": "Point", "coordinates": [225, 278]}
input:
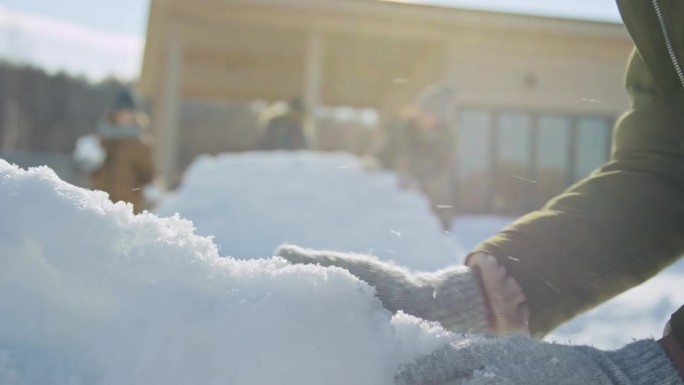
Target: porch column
{"type": "Point", "coordinates": [167, 111]}
{"type": "Point", "coordinates": [451, 60]}
{"type": "Point", "coordinates": [313, 74]}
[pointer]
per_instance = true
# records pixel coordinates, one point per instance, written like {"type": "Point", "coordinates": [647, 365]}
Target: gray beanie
{"type": "Point", "coordinates": [125, 100]}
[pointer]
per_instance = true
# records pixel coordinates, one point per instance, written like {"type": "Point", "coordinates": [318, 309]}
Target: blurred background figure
{"type": "Point", "coordinates": [421, 148]}
{"type": "Point", "coordinates": [118, 158]}
{"type": "Point", "coordinates": [283, 126]}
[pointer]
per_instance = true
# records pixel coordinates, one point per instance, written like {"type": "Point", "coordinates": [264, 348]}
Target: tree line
{"type": "Point", "coordinates": [46, 112]}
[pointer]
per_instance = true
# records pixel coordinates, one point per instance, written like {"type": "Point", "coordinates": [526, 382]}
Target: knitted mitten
{"type": "Point", "coordinates": [452, 296]}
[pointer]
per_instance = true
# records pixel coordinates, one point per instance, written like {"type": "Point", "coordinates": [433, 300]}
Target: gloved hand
{"type": "Point", "coordinates": [506, 300]}
{"type": "Point", "coordinates": [517, 359]}
{"type": "Point", "coordinates": [452, 296]}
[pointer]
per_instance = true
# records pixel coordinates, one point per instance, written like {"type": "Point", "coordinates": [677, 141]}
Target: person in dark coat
{"type": "Point", "coordinates": [128, 164]}
{"type": "Point", "coordinates": [608, 233]}
{"type": "Point", "coordinates": [421, 148]}
{"type": "Point", "coordinates": [285, 130]}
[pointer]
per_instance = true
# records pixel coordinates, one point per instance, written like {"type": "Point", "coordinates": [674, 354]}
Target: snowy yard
{"type": "Point", "coordinates": [92, 294]}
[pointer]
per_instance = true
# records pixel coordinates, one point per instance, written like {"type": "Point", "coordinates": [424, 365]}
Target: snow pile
{"type": "Point", "coordinates": [251, 203]}
{"type": "Point", "coordinates": [91, 294]}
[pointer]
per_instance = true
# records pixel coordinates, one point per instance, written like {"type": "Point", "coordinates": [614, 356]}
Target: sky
{"type": "Point", "coordinates": [101, 38]}
{"type": "Point", "coordinates": [92, 38]}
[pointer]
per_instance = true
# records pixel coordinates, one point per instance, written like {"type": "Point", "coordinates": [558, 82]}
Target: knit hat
{"type": "Point", "coordinates": [439, 100]}
{"type": "Point", "coordinates": [125, 100]}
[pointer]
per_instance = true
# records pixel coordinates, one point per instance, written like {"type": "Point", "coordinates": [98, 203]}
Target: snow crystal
{"type": "Point", "coordinates": [92, 294]}
{"type": "Point", "coordinates": [488, 375]}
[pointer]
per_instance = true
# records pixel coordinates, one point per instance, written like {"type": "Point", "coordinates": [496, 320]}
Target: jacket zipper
{"type": "Point", "coordinates": [668, 42]}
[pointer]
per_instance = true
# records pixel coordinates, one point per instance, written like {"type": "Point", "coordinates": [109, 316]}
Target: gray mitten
{"type": "Point", "coordinates": [518, 359]}
{"type": "Point", "coordinates": [452, 296]}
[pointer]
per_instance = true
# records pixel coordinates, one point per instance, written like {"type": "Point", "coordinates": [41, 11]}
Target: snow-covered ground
{"type": "Point", "coordinates": [636, 314]}
{"type": "Point", "coordinates": [91, 294]}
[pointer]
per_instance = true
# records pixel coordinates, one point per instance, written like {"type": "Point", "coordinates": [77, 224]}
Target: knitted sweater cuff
{"type": "Point", "coordinates": [677, 325]}
{"type": "Point", "coordinates": [645, 362]}
{"type": "Point", "coordinates": [458, 301]}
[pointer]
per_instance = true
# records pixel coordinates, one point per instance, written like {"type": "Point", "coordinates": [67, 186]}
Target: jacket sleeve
{"type": "Point", "coordinates": [611, 231]}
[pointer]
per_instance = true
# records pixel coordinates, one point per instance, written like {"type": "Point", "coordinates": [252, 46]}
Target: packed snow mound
{"type": "Point", "coordinates": [92, 294]}
{"type": "Point", "coordinates": [251, 203]}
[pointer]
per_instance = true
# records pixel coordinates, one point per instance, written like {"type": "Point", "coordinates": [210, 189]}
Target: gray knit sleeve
{"type": "Point", "coordinates": [522, 360]}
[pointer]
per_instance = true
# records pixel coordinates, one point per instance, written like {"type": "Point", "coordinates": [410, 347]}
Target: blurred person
{"type": "Point", "coordinates": [283, 127]}
{"type": "Point", "coordinates": [421, 149]}
{"type": "Point", "coordinates": [608, 233]}
{"type": "Point", "coordinates": [118, 158]}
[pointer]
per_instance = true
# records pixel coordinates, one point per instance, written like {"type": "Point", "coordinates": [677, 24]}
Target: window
{"type": "Point", "coordinates": [473, 160]}
{"type": "Point", "coordinates": [552, 156]}
{"type": "Point", "coordinates": [593, 145]}
{"type": "Point", "coordinates": [511, 162]}
{"type": "Point", "coordinates": [512, 183]}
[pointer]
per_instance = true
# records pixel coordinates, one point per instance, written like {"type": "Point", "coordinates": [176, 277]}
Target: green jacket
{"type": "Point", "coordinates": [625, 222]}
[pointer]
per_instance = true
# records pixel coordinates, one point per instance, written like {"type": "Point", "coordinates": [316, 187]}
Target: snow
{"type": "Point", "coordinates": [469, 230]}
{"type": "Point", "coordinates": [253, 202]}
{"type": "Point", "coordinates": [92, 294]}
{"type": "Point", "coordinates": [636, 314]}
